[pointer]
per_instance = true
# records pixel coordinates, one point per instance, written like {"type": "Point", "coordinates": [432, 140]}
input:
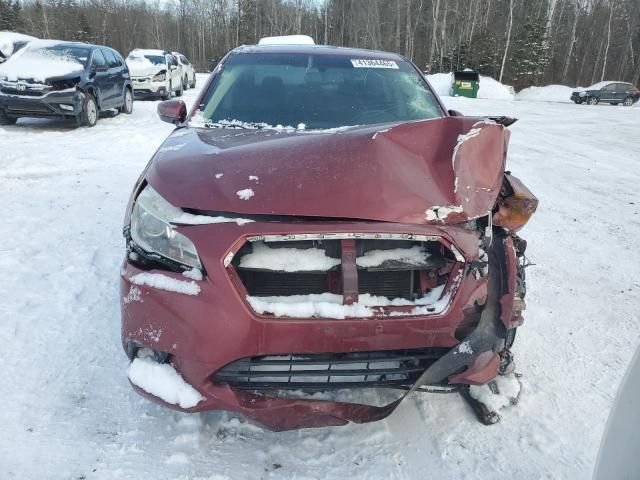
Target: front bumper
{"type": "Point", "coordinates": [65, 103]}
{"type": "Point", "coordinates": [203, 333]}
{"type": "Point", "coordinates": [146, 88]}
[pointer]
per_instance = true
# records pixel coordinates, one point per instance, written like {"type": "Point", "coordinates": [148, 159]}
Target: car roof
{"type": "Point", "coordinates": [320, 50]}
{"type": "Point", "coordinates": [55, 43]}
{"type": "Point", "coordinates": [15, 36]}
{"type": "Point", "coordinates": [148, 51]}
{"type": "Point", "coordinates": [599, 85]}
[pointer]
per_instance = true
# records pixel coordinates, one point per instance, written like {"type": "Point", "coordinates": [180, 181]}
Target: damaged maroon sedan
{"type": "Point", "coordinates": [320, 223]}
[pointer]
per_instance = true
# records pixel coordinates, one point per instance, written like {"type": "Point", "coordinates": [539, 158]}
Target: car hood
{"type": "Point", "coordinates": [445, 170]}
{"type": "Point", "coordinates": [23, 69]}
{"type": "Point", "coordinates": [141, 68]}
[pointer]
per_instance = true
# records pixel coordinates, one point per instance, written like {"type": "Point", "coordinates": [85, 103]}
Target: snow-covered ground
{"type": "Point", "coordinates": [68, 411]}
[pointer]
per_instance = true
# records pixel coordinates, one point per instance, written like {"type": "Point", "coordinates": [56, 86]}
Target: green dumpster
{"type": "Point", "coordinates": [466, 83]}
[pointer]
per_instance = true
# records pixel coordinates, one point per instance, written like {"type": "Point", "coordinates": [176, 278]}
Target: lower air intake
{"type": "Point", "coordinates": [329, 371]}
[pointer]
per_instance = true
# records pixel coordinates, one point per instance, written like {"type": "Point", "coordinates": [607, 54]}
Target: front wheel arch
{"type": "Point", "coordinates": [94, 93]}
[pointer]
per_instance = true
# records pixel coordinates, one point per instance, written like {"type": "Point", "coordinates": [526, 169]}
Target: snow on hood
{"type": "Point", "coordinates": [31, 63]}
{"type": "Point", "coordinates": [396, 174]}
{"type": "Point", "coordinates": [140, 66]}
{"type": "Point", "coordinates": [7, 39]}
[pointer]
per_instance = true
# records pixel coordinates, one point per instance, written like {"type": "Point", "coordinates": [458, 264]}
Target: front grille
{"type": "Point", "coordinates": [33, 108]}
{"type": "Point", "coordinates": [348, 267]}
{"type": "Point", "coordinates": [23, 93]}
{"type": "Point", "coordinates": [329, 371]}
{"type": "Point", "coordinates": [390, 284]}
{"type": "Point", "coordinates": [265, 284]}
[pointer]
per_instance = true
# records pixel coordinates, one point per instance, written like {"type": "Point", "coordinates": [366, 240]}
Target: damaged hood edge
{"type": "Point", "coordinates": [442, 171]}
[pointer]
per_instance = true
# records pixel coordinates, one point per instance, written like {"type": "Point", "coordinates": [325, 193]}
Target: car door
{"type": "Point", "coordinates": [115, 77]}
{"type": "Point", "coordinates": [100, 77]}
{"type": "Point", "coordinates": [623, 90]}
{"type": "Point", "coordinates": [174, 71]}
{"type": "Point", "coordinates": [188, 67]}
{"type": "Point", "coordinates": [608, 93]}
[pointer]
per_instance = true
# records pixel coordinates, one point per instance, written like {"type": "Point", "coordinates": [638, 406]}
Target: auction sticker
{"type": "Point", "coordinates": [364, 63]}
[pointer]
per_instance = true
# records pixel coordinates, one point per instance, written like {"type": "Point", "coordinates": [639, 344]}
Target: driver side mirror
{"type": "Point", "coordinates": [172, 111]}
{"type": "Point", "coordinates": [455, 113]}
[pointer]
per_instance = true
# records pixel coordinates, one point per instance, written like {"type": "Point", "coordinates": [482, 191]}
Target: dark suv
{"type": "Point", "coordinates": [64, 79]}
{"type": "Point", "coordinates": [607, 92]}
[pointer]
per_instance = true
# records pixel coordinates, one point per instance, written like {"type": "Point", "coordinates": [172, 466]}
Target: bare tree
{"type": "Point", "coordinates": [506, 45]}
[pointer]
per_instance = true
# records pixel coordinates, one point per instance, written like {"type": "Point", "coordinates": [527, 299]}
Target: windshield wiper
{"type": "Point", "coordinates": [239, 125]}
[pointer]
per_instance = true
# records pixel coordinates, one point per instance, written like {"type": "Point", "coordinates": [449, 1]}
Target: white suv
{"type": "Point", "coordinates": [155, 73]}
{"type": "Point", "coordinates": [188, 70]}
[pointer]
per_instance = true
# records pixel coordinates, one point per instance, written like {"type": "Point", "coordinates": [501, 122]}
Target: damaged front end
{"type": "Point", "coordinates": [417, 290]}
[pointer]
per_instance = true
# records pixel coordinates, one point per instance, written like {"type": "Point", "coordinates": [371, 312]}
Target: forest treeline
{"type": "Point", "coordinates": [521, 42]}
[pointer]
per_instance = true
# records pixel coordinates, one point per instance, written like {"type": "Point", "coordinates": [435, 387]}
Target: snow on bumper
{"type": "Point", "coordinates": [203, 333]}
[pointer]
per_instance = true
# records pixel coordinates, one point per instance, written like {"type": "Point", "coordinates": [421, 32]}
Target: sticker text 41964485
{"type": "Point", "coordinates": [364, 63]}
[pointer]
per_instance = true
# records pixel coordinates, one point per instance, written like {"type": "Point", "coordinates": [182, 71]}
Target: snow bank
{"type": "Point", "coordinates": [34, 63]}
{"type": "Point", "coordinates": [288, 259]}
{"type": "Point", "coordinates": [489, 87]}
{"type": "Point", "coordinates": [162, 381]}
{"type": "Point", "coordinates": [548, 93]}
{"type": "Point", "coordinates": [164, 282]}
{"type": "Point", "coordinates": [493, 89]}
{"type": "Point", "coordinates": [508, 390]}
{"type": "Point", "coordinates": [415, 255]}
{"type": "Point", "coordinates": [441, 83]}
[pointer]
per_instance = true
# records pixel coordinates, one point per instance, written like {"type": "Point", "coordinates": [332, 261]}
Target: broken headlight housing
{"type": "Point", "coordinates": [152, 229]}
{"type": "Point", "coordinates": [160, 77]}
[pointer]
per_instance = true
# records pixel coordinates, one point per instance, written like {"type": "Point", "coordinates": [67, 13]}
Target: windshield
{"type": "Point", "coordinates": [63, 53]}
{"type": "Point", "coordinates": [315, 92]}
{"type": "Point", "coordinates": [155, 59]}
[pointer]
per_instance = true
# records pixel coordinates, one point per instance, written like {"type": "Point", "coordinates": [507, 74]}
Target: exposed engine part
{"type": "Point", "coordinates": [484, 412]}
{"type": "Point", "coordinates": [507, 365]}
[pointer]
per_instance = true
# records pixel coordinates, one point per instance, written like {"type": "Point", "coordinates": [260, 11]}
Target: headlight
{"type": "Point", "coordinates": [65, 84]}
{"type": "Point", "coordinates": [152, 231]}
{"type": "Point", "coordinates": [160, 77]}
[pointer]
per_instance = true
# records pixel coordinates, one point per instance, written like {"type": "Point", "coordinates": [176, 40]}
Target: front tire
{"type": "Point", "coordinates": [127, 102]}
{"type": "Point", "coordinates": [593, 101]}
{"type": "Point", "coordinates": [628, 102]}
{"type": "Point", "coordinates": [4, 120]}
{"type": "Point", "coordinates": [88, 117]}
{"type": "Point", "coordinates": [193, 84]}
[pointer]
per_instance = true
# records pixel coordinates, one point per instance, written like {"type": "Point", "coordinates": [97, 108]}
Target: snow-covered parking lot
{"type": "Point", "coordinates": [69, 413]}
